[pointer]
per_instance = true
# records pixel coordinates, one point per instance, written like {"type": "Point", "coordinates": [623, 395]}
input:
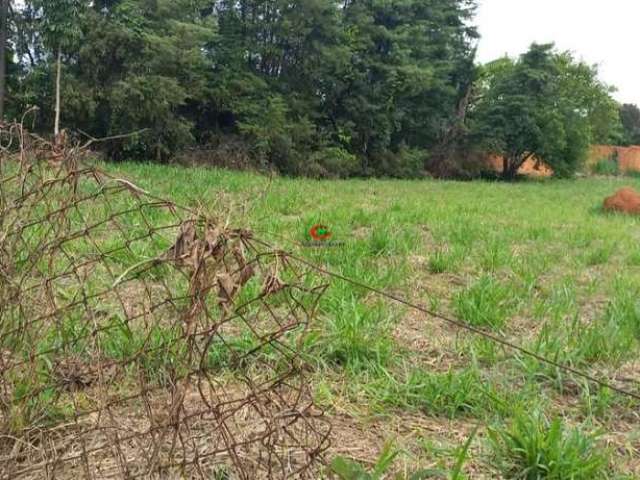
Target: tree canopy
{"type": "Point", "coordinates": [630, 118]}
{"type": "Point", "coordinates": [544, 105]}
{"type": "Point", "coordinates": [312, 87]}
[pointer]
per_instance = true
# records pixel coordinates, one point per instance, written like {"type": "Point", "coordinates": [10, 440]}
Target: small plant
{"type": "Point", "coordinates": [443, 261]}
{"type": "Point", "coordinates": [354, 337]}
{"type": "Point", "coordinates": [447, 394]}
{"type": "Point", "coordinates": [461, 458]}
{"type": "Point", "coordinates": [494, 257]}
{"type": "Point", "coordinates": [606, 166]}
{"type": "Point", "coordinates": [599, 255]}
{"type": "Point", "coordinates": [385, 241]}
{"type": "Point", "coordinates": [633, 259]}
{"type": "Point", "coordinates": [347, 469]}
{"type": "Point", "coordinates": [485, 303]}
{"type": "Point", "coordinates": [534, 448]}
{"type": "Point", "coordinates": [597, 402]}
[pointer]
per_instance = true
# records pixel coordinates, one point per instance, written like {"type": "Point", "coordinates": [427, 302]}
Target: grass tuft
{"type": "Point", "coordinates": [486, 303]}
{"type": "Point", "coordinates": [533, 448]}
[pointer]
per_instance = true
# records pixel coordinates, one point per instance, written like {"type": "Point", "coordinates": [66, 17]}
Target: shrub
{"type": "Point", "coordinates": [606, 166]}
{"type": "Point", "coordinates": [403, 163]}
{"type": "Point", "coordinates": [332, 162]}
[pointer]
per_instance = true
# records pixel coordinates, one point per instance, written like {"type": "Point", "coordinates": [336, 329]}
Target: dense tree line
{"type": "Point", "coordinates": [312, 87]}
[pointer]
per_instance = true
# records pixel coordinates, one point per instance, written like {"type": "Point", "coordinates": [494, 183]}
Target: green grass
{"type": "Point", "coordinates": [606, 166]}
{"type": "Point", "coordinates": [533, 448]}
{"type": "Point", "coordinates": [486, 303]}
{"type": "Point", "coordinates": [534, 261]}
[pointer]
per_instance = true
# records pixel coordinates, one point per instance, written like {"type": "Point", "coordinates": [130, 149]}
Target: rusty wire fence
{"type": "Point", "coordinates": [139, 339]}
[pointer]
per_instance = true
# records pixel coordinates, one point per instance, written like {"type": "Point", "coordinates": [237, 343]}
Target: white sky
{"type": "Point", "coordinates": [606, 32]}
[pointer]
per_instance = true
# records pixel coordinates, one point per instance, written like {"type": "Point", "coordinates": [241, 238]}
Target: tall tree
{"type": "Point", "coordinates": [61, 21]}
{"type": "Point", "coordinates": [409, 61]}
{"type": "Point", "coordinates": [143, 65]}
{"type": "Point", "coordinates": [4, 27]}
{"type": "Point", "coordinates": [630, 118]}
{"type": "Point", "coordinates": [543, 105]}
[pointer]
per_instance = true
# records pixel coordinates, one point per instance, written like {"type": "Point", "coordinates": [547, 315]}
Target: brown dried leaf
{"type": "Point", "coordinates": [73, 373]}
{"type": "Point", "coordinates": [246, 274]}
{"type": "Point", "coordinates": [196, 255]}
{"type": "Point", "coordinates": [213, 239]}
{"type": "Point", "coordinates": [227, 288]}
{"type": "Point", "coordinates": [238, 253]}
{"type": "Point", "coordinates": [184, 244]}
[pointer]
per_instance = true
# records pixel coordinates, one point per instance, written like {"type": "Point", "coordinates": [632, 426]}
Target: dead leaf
{"type": "Point", "coordinates": [246, 274]}
{"type": "Point", "coordinates": [227, 288]}
{"type": "Point", "coordinates": [213, 240]}
{"type": "Point", "coordinates": [184, 244]}
{"type": "Point", "coordinates": [238, 253]}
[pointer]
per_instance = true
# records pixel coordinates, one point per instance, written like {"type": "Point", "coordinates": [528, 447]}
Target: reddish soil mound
{"type": "Point", "coordinates": [626, 200]}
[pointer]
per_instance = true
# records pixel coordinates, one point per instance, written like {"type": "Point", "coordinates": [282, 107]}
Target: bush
{"type": "Point", "coordinates": [331, 162]}
{"type": "Point", "coordinates": [403, 163]}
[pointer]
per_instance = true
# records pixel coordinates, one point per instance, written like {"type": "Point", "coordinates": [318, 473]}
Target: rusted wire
{"type": "Point", "coordinates": [142, 339]}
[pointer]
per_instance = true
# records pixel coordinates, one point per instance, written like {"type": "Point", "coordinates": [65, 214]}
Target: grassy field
{"type": "Point", "coordinates": [536, 262]}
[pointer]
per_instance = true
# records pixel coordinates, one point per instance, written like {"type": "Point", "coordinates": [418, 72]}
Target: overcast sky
{"type": "Point", "coordinates": [606, 32]}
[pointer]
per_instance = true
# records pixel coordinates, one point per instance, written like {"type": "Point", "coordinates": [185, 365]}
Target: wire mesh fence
{"type": "Point", "coordinates": [140, 339]}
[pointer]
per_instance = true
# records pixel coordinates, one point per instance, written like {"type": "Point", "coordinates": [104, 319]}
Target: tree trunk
{"type": "Point", "coordinates": [510, 167]}
{"type": "Point", "coordinates": [505, 167]}
{"type": "Point", "coordinates": [4, 8]}
{"type": "Point", "coordinates": [56, 126]}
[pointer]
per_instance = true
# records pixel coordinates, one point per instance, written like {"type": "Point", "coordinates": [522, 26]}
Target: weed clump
{"type": "Point", "coordinates": [486, 303]}
{"type": "Point", "coordinates": [532, 447]}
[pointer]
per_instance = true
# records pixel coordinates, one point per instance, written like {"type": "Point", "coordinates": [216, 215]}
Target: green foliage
{"type": "Point", "coordinates": [332, 162]}
{"type": "Point", "coordinates": [447, 394]}
{"type": "Point", "coordinates": [59, 21]}
{"type": "Point", "coordinates": [545, 105]}
{"type": "Point", "coordinates": [139, 65]}
{"type": "Point", "coordinates": [347, 469]}
{"type": "Point", "coordinates": [318, 88]}
{"type": "Point", "coordinates": [486, 303]}
{"type": "Point", "coordinates": [630, 118]}
{"type": "Point", "coordinates": [315, 87]}
{"type": "Point", "coordinates": [442, 261]}
{"type": "Point", "coordinates": [606, 166]}
{"type": "Point", "coordinates": [534, 448]}
{"type": "Point", "coordinates": [354, 336]}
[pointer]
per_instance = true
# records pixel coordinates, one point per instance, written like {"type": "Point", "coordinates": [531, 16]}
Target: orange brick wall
{"type": "Point", "coordinates": [628, 157]}
{"type": "Point", "coordinates": [531, 167]}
